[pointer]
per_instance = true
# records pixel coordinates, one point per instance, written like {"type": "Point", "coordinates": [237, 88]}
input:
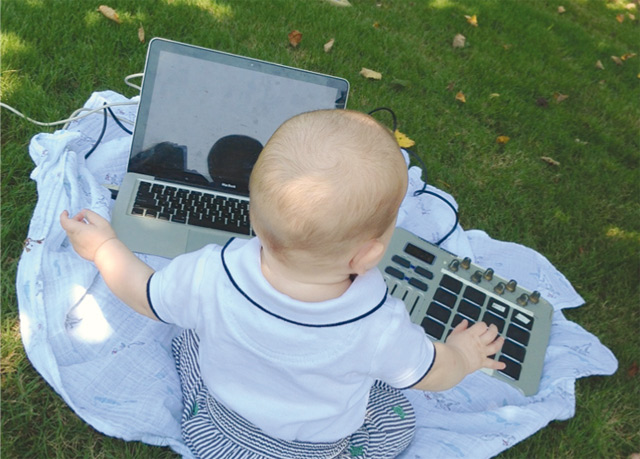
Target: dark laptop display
{"type": "Point", "coordinates": [204, 121]}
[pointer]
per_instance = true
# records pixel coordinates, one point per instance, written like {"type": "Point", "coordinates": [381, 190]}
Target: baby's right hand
{"type": "Point", "coordinates": [475, 344]}
{"type": "Point", "coordinates": [87, 232]}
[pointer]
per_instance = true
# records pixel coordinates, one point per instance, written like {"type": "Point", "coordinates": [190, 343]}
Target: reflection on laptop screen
{"type": "Point", "coordinates": [210, 113]}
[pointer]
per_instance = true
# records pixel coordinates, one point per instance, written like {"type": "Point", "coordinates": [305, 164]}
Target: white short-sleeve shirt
{"type": "Point", "coordinates": [298, 370]}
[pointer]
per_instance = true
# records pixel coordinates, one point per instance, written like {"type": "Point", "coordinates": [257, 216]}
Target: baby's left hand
{"type": "Point", "coordinates": [87, 232]}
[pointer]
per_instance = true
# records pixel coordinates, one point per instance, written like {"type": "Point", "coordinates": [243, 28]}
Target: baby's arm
{"type": "Point", "coordinates": [465, 351]}
{"type": "Point", "coordinates": [125, 274]}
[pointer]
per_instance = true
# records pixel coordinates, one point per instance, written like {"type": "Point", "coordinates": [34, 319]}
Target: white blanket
{"type": "Point", "coordinates": [115, 370]}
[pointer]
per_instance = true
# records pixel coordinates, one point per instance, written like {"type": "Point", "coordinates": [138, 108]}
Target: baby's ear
{"type": "Point", "coordinates": [367, 257]}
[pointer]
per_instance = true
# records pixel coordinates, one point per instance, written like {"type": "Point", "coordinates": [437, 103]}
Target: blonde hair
{"type": "Point", "coordinates": [325, 180]}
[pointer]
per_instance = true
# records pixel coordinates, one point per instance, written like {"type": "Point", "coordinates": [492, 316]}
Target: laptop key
{"type": "Point", "coordinates": [219, 224]}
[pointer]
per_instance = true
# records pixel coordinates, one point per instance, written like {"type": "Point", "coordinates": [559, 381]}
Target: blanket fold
{"type": "Point", "coordinates": [115, 370]}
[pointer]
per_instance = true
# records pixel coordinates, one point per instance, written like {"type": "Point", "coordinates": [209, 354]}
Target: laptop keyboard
{"type": "Point", "coordinates": [441, 290]}
{"type": "Point", "coordinates": [191, 207]}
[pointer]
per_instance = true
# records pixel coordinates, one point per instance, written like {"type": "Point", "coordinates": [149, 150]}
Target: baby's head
{"type": "Point", "coordinates": [325, 182]}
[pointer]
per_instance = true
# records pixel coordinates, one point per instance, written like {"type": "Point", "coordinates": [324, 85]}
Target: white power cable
{"type": "Point", "coordinates": [73, 117]}
{"type": "Point", "coordinates": [133, 75]}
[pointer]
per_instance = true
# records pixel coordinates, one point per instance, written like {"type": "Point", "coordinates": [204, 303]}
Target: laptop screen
{"type": "Point", "coordinates": [205, 115]}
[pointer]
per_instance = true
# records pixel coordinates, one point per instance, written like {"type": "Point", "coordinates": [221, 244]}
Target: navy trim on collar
{"type": "Point", "coordinates": [262, 308]}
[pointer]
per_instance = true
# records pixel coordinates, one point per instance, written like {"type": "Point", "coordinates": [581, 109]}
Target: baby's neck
{"type": "Point", "coordinates": [302, 285]}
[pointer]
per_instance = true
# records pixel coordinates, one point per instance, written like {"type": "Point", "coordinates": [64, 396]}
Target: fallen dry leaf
{"type": "Point", "coordinates": [295, 37]}
{"type": "Point", "coordinates": [141, 34]}
{"type": "Point", "coordinates": [599, 65]}
{"type": "Point", "coordinates": [460, 96]}
{"type": "Point", "coordinates": [494, 95]}
{"type": "Point", "coordinates": [403, 140]}
{"type": "Point", "coordinates": [328, 45]}
{"type": "Point", "coordinates": [109, 13]}
{"type": "Point", "coordinates": [450, 86]}
{"type": "Point", "coordinates": [459, 40]}
{"type": "Point", "coordinates": [633, 370]}
{"type": "Point", "coordinates": [371, 74]}
{"type": "Point", "coordinates": [507, 46]}
{"type": "Point", "coordinates": [620, 18]}
{"type": "Point", "coordinates": [550, 161]}
{"type": "Point", "coordinates": [340, 2]}
{"type": "Point", "coordinates": [631, 6]}
{"type": "Point", "coordinates": [376, 25]}
{"type": "Point", "coordinates": [502, 139]}
{"type": "Point", "coordinates": [626, 56]}
{"type": "Point", "coordinates": [561, 9]}
{"type": "Point", "coordinates": [559, 97]}
{"type": "Point", "coordinates": [617, 60]}
{"type": "Point", "coordinates": [473, 20]}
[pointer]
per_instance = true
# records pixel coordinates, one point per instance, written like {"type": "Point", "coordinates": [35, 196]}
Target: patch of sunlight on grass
{"type": "Point", "coordinates": [10, 43]}
{"type": "Point", "coordinates": [93, 17]}
{"type": "Point", "coordinates": [220, 11]}
{"type": "Point", "coordinates": [622, 235]}
{"type": "Point", "coordinates": [11, 348]}
{"type": "Point", "coordinates": [9, 81]}
{"type": "Point", "coordinates": [561, 216]}
{"type": "Point", "coordinates": [439, 4]}
{"type": "Point", "coordinates": [622, 5]}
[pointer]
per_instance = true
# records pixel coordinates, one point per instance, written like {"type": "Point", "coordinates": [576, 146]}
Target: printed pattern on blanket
{"type": "Point", "coordinates": [115, 368]}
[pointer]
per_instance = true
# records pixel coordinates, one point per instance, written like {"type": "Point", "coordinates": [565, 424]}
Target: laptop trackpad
{"type": "Point", "coordinates": [198, 239]}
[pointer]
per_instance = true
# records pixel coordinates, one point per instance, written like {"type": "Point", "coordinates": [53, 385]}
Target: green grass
{"type": "Point", "coordinates": [583, 214]}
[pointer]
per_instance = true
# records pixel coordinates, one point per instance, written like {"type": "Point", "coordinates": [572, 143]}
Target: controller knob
{"type": "Point", "coordinates": [499, 288]}
{"type": "Point", "coordinates": [523, 299]}
{"type": "Point", "coordinates": [534, 297]}
{"type": "Point", "coordinates": [476, 277]}
{"type": "Point", "coordinates": [511, 285]}
{"type": "Point", "coordinates": [466, 263]}
{"type": "Point", "coordinates": [488, 274]}
{"type": "Point", "coordinates": [454, 265]}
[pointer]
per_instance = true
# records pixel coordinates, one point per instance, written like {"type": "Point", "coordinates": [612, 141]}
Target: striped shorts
{"type": "Point", "coordinates": [212, 431]}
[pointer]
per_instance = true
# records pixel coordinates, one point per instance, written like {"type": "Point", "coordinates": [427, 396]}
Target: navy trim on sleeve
{"type": "Point", "coordinates": [425, 373]}
{"type": "Point", "coordinates": [262, 308]}
{"type": "Point", "coordinates": [149, 300]}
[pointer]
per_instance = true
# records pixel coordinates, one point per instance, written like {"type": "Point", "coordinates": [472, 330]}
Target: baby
{"type": "Point", "coordinates": [292, 346]}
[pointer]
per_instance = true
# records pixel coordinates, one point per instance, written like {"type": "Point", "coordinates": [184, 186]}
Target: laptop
{"type": "Point", "coordinates": [202, 120]}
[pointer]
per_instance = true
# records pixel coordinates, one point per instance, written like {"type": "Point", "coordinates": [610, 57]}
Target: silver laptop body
{"type": "Point", "coordinates": [202, 120]}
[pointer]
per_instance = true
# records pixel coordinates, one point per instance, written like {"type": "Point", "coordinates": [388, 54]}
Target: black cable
{"type": "Point", "coordinates": [115, 118]}
{"type": "Point", "coordinates": [388, 110]}
{"type": "Point", "coordinates": [104, 129]}
{"type": "Point", "coordinates": [423, 190]}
